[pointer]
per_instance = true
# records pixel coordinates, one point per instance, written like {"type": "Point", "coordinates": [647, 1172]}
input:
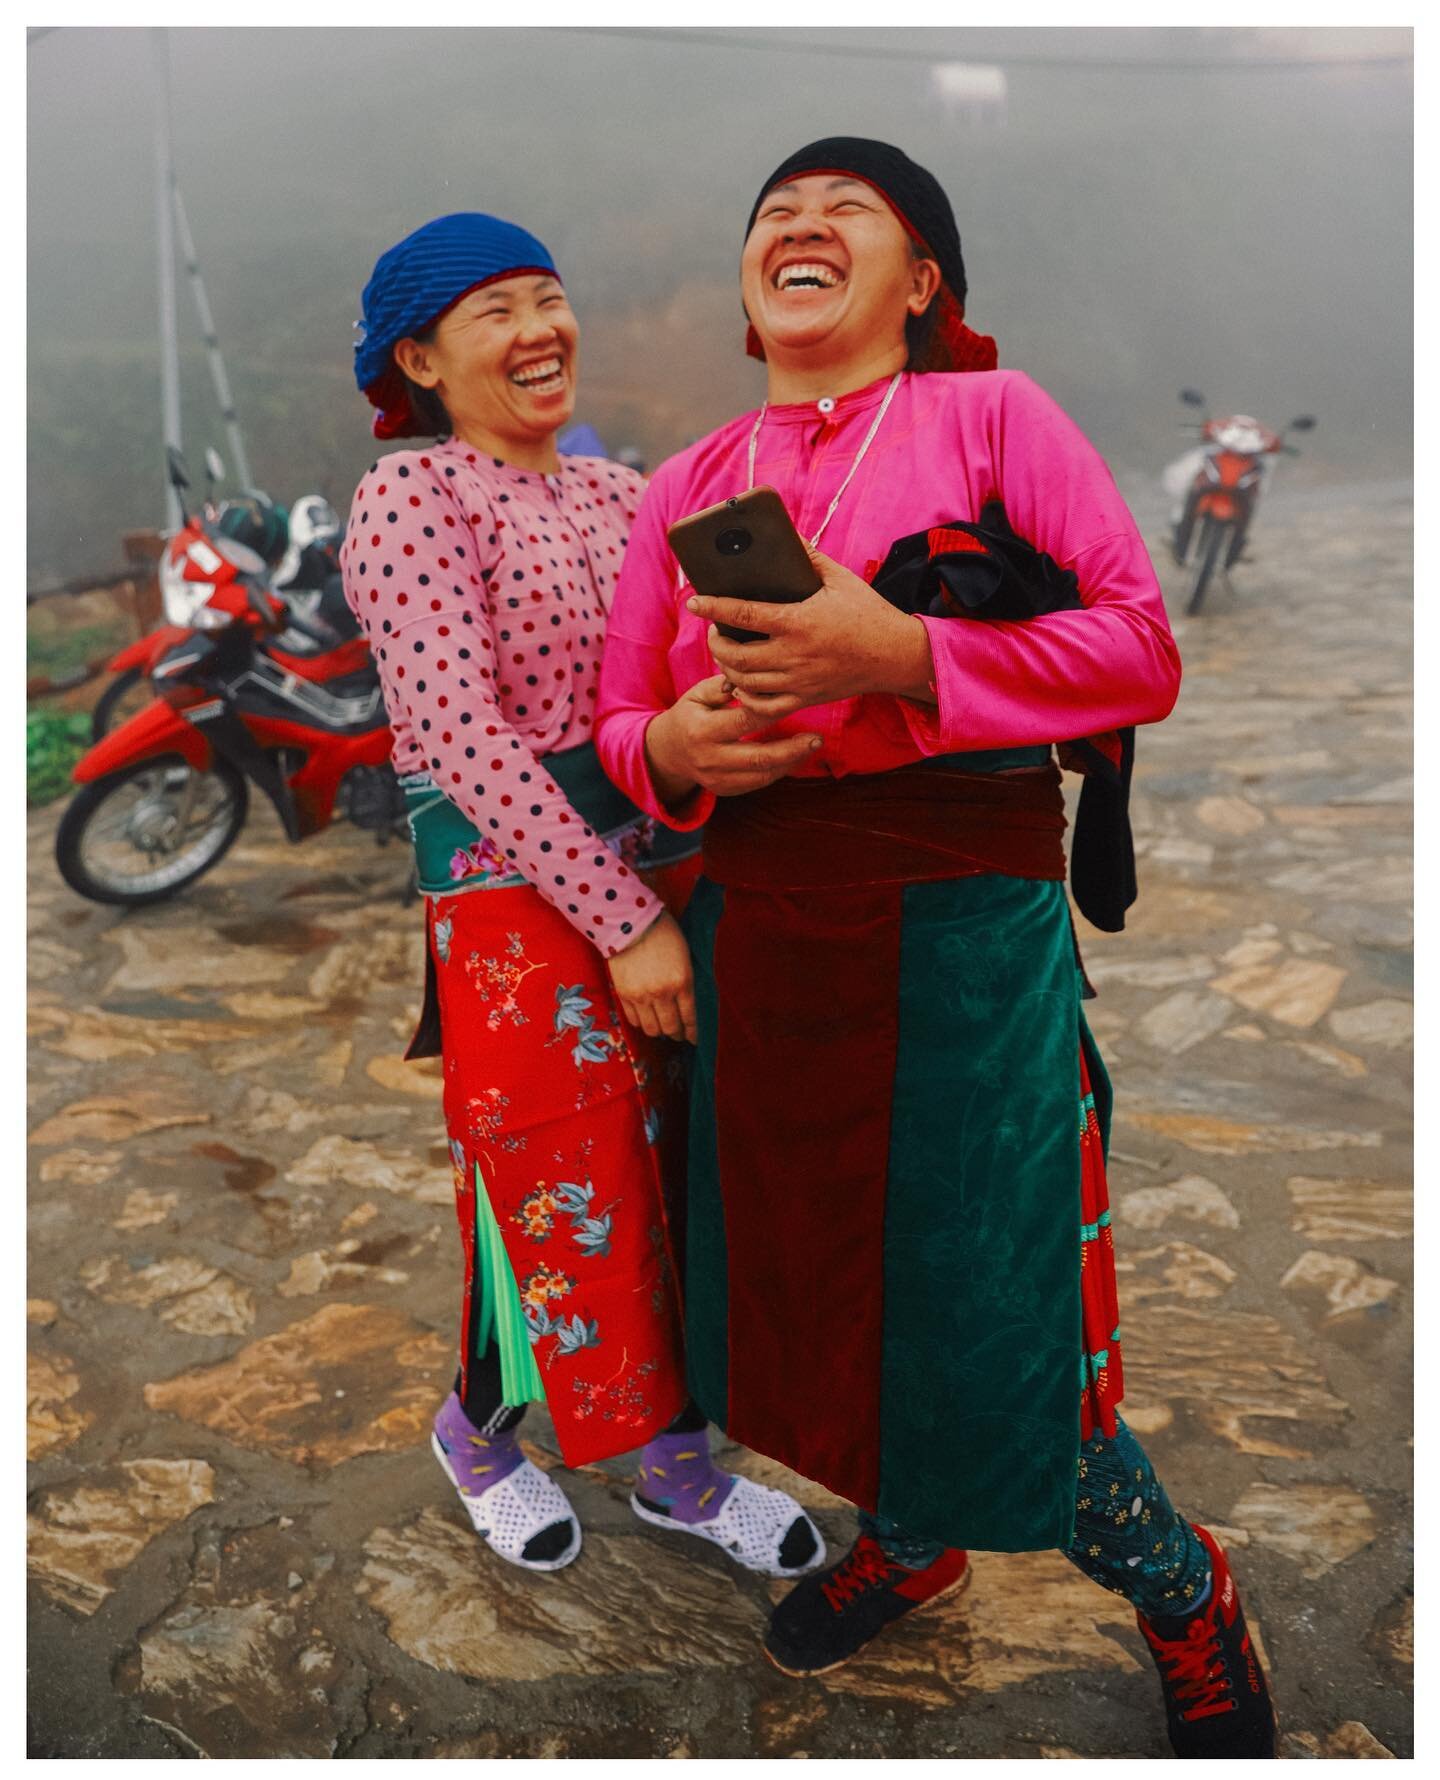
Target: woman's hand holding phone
{"type": "Point", "coordinates": [843, 641]}
{"type": "Point", "coordinates": [705, 739]}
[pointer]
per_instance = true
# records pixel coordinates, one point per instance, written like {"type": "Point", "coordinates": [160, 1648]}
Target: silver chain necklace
{"type": "Point", "coordinates": [854, 465]}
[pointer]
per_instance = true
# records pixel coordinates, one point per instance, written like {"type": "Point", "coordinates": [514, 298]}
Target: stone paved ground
{"type": "Point", "coordinates": [243, 1286]}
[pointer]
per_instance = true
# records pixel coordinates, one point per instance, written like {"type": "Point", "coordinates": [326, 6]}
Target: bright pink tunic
{"type": "Point", "coordinates": [948, 444]}
{"type": "Point", "coordinates": [484, 590]}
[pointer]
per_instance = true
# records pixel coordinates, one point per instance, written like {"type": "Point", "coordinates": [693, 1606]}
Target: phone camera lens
{"type": "Point", "coordinates": [734, 542]}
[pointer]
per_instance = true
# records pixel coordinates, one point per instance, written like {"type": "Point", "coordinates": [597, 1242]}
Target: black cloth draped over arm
{"type": "Point", "coordinates": [982, 570]}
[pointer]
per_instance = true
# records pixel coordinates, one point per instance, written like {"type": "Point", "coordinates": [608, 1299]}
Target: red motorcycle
{"type": "Point", "coordinates": [1219, 504]}
{"type": "Point", "coordinates": [199, 557]}
{"type": "Point", "coordinates": [249, 693]}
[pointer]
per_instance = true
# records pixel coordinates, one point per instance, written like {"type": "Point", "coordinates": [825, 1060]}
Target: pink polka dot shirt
{"type": "Point", "coordinates": [484, 591]}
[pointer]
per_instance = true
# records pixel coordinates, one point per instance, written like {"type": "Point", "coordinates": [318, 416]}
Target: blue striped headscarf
{"type": "Point", "coordinates": [415, 282]}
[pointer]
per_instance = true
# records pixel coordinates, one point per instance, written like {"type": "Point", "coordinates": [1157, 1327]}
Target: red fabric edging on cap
{"type": "Point", "coordinates": [942, 542]}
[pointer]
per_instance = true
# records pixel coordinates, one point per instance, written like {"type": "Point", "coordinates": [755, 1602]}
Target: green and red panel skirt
{"type": "Point", "coordinates": [900, 1280]}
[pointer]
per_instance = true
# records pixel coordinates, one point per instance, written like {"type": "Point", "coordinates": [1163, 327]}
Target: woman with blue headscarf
{"type": "Point", "coordinates": [482, 567]}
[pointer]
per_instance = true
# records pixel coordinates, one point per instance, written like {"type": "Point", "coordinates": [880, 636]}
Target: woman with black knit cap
{"type": "Point", "coordinates": [900, 1277]}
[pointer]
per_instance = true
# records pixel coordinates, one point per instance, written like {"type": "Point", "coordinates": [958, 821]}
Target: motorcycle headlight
{"type": "Point", "coordinates": [181, 598]}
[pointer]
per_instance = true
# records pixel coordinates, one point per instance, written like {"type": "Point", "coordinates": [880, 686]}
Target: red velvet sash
{"type": "Point", "coordinates": [917, 825]}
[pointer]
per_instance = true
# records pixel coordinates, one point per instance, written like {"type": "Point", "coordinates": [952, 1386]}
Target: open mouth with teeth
{"type": "Point", "coordinates": [807, 275]}
{"type": "Point", "coordinates": [545, 377]}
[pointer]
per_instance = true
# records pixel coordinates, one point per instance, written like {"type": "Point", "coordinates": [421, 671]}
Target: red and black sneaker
{"type": "Point", "coordinates": [829, 1616]}
{"type": "Point", "coordinates": [1216, 1700]}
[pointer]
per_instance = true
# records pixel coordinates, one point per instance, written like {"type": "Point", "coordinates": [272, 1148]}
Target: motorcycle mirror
{"type": "Point", "coordinates": [1301, 425]}
{"type": "Point", "coordinates": [1192, 398]}
{"type": "Point", "coordinates": [214, 464]}
{"type": "Point", "coordinates": [179, 475]}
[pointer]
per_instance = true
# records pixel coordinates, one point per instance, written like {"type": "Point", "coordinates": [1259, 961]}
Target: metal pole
{"type": "Point", "coordinates": [165, 249]}
{"type": "Point", "coordinates": [212, 342]}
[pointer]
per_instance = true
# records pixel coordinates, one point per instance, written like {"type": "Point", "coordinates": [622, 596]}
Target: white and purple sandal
{"type": "Point", "coordinates": [522, 1513]}
{"type": "Point", "coordinates": [763, 1529]}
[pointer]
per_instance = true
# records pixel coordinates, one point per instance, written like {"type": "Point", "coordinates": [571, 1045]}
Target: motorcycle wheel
{"type": "Point", "coordinates": [150, 830]}
{"type": "Point", "coordinates": [1207, 558]}
{"type": "Point", "coordinates": [118, 702]}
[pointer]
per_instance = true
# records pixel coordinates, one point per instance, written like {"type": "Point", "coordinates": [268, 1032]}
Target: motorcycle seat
{"type": "Point", "coordinates": [333, 611]}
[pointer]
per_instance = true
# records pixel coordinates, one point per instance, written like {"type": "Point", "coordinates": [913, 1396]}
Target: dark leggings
{"type": "Point", "coordinates": [485, 1407]}
{"type": "Point", "coordinates": [1128, 1538]}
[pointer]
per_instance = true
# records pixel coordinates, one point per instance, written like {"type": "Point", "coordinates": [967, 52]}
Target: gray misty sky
{"type": "Point", "coordinates": [1149, 208]}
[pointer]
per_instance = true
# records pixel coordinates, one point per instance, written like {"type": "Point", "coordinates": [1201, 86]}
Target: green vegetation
{"type": "Point", "coordinates": [54, 741]}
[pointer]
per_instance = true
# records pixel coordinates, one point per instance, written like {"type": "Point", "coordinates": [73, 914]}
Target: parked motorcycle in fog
{"type": "Point", "coordinates": [1220, 485]}
{"type": "Point", "coordinates": [249, 693]}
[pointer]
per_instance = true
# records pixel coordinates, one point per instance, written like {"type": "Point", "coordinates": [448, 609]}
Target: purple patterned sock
{"type": "Point", "coordinates": [477, 1457]}
{"type": "Point", "coordinates": [678, 1476]}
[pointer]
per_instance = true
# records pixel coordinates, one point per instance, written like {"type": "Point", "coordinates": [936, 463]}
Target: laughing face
{"type": "Point", "coordinates": [503, 360]}
{"type": "Point", "coordinates": [827, 273]}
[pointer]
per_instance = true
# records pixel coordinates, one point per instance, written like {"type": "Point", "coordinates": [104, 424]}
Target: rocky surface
{"type": "Point", "coordinates": [244, 1282]}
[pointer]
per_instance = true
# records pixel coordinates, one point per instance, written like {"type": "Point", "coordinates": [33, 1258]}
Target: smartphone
{"type": "Point", "coordinates": [745, 548]}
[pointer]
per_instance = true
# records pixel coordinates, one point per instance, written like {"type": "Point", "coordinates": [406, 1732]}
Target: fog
{"type": "Point", "coordinates": [1194, 217]}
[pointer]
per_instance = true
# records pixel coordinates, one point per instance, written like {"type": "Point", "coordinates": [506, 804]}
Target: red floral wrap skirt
{"type": "Point", "coordinates": [567, 1114]}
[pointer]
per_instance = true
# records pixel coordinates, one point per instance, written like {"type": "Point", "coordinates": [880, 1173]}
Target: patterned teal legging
{"type": "Point", "coordinates": [1127, 1536]}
